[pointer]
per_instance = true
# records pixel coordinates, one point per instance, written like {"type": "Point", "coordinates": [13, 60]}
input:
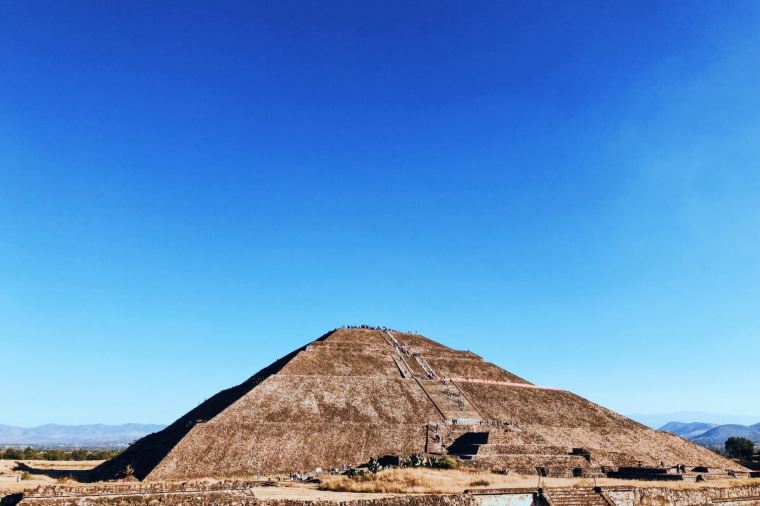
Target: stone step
{"type": "Point", "coordinates": [573, 497]}
{"type": "Point", "coordinates": [414, 367]}
{"type": "Point", "coordinates": [579, 501]}
{"type": "Point", "coordinates": [537, 460]}
{"type": "Point", "coordinates": [450, 400]}
{"type": "Point", "coordinates": [498, 435]}
{"type": "Point", "coordinates": [526, 449]}
{"type": "Point", "coordinates": [514, 438]}
{"type": "Point", "coordinates": [462, 420]}
{"type": "Point", "coordinates": [565, 466]}
{"type": "Point", "coordinates": [612, 458]}
{"type": "Point", "coordinates": [531, 469]}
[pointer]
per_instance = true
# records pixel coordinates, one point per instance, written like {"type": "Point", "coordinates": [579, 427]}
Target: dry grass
{"type": "Point", "coordinates": [455, 481]}
{"type": "Point", "coordinates": [15, 478]}
{"type": "Point", "coordinates": [746, 482]}
{"type": "Point", "coordinates": [418, 481]}
{"type": "Point", "coordinates": [65, 480]}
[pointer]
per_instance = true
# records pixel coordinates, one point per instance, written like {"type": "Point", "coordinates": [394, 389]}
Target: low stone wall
{"type": "Point", "coordinates": [728, 496]}
{"type": "Point", "coordinates": [175, 495]}
{"type": "Point", "coordinates": [748, 495]}
{"type": "Point", "coordinates": [239, 498]}
{"type": "Point", "coordinates": [133, 488]}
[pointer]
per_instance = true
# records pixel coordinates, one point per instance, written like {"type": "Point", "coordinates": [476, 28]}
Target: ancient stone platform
{"type": "Point", "coordinates": [358, 393]}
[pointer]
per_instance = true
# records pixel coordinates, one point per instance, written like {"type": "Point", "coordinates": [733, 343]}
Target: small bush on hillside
{"type": "Point", "coordinates": [418, 460]}
{"type": "Point", "coordinates": [356, 473]}
{"type": "Point", "coordinates": [374, 466]}
{"type": "Point", "coordinates": [444, 462]}
{"type": "Point", "coordinates": [26, 475]}
{"type": "Point", "coordinates": [413, 461]}
{"type": "Point", "coordinates": [480, 483]}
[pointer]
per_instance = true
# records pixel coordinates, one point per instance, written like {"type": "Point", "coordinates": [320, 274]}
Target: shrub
{"type": "Point", "coordinates": [418, 460]}
{"type": "Point", "coordinates": [12, 454]}
{"type": "Point", "coordinates": [356, 473]}
{"type": "Point", "coordinates": [33, 454]}
{"type": "Point", "coordinates": [26, 475]}
{"type": "Point", "coordinates": [374, 466]}
{"type": "Point", "coordinates": [30, 453]}
{"type": "Point", "coordinates": [480, 483]}
{"type": "Point", "coordinates": [444, 462]}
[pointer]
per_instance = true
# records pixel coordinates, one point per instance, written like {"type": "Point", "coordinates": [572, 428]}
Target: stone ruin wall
{"type": "Point", "coordinates": [239, 494]}
{"type": "Point", "coordinates": [748, 495]}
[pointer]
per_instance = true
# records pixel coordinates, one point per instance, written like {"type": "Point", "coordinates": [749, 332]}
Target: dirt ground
{"type": "Point", "coordinates": [385, 483]}
{"type": "Point", "coordinates": [56, 472]}
{"type": "Point", "coordinates": [453, 481]}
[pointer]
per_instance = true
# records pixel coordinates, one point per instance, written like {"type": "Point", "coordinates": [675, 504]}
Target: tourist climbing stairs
{"type": "Point", "coordinates": [425, 366]}
{"type": "Point", "coordinates": [575, 496]}
{"type": "Point", "coordinates": [409, 363]}
{"type": "Point", "coordinates": [403, 367]}
{"type": "Point", "coordinates": [416, 369]}
{"type": "Point", "coordinates": [434, 439]}
{"type": "Point", "coordinates": [451, 402]}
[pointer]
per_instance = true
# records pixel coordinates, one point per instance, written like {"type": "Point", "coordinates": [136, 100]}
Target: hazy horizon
{"type": "Point", "coordinates": [653, 420]}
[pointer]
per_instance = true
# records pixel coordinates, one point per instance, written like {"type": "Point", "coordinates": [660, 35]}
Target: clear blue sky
{"type": "Point", "coordinates": [189, 191]}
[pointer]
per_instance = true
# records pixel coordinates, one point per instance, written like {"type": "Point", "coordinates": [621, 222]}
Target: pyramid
{"type": "Point", "coordinates": [357, 393]}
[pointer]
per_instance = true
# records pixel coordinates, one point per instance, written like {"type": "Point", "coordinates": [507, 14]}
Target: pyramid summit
{"type": "Point", "coordinates": [358, 393]}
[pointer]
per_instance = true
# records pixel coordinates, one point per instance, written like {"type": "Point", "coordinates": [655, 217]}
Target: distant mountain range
{"type": "Point", "coordinates": [100, 435]}
{"type": "Point", "coordinates": [659, 419]}
{"type": "Point", "coordinates": [711, 434]}
{"type": "Point", "coordinates": [94, 435]}
{"type": "Point", "coordinates": [688, 430]}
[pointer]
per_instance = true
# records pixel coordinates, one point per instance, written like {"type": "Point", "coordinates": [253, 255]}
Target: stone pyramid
{"type": "Point", "coordinates": [358, 393]}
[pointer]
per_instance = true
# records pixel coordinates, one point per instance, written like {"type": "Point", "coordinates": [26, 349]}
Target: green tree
{"type": "Point", "coordinates": [57, 454]}
{"type": "Point", "coordinates": [739, 447]}
{"type": "Point", "coordinates": [30, 453]}
{"type": "Point", "coordinates": [13, 454]}
{"type": "Point", "coordinates": [54, 455]}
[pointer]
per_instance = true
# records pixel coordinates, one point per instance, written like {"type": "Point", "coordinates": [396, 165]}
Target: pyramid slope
{"type": "Point", "coordinates": [146, 453]}
{"type": "Point", "coordinates": [360, 393]}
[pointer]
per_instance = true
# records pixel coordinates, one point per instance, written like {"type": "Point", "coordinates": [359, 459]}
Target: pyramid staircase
{"type": "Point", "coordinates": [453, 405]}
{"type": "Point", "coordinates": [574, 497]}
{"type": "Point", "coordinates": [410, 363]}
{"type": "Point", "coordinates": [449, 400]}
{"type": "Point", "coordinates": [434, 439]}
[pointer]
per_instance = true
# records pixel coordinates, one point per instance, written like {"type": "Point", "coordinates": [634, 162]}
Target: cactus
{"type": "Point", "coordinates": [374, 466]}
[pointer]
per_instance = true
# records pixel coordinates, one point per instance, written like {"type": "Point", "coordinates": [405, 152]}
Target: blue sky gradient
{"type": "Point", "coordinates": [190, 190]}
